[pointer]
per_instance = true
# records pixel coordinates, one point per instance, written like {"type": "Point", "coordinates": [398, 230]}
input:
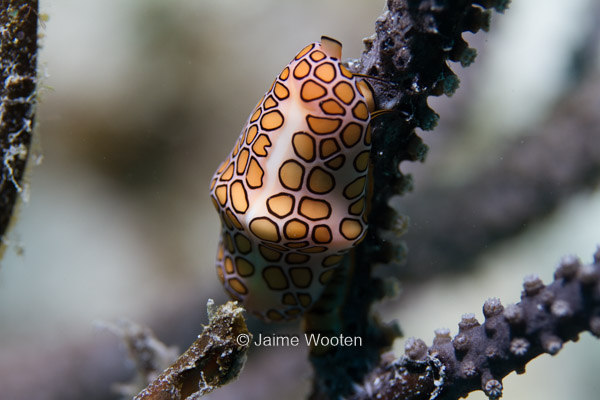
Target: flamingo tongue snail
{"type": "Point", "coordinates": [292, 194]}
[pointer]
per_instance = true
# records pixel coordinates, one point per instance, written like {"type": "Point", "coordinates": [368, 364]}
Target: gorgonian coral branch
{"type": "Point", "coordinates": [480, 355]}
{"type": "Point", "coordinates": [409, 52]}
{"type": "Point", "coordinates": [18, 61]}
{"type": "Point", "coordinates": [213, 360]}
{"type": "Point", "coordinates": [538, 172]}
{"type": "Point", "coordinates": [411, 48]}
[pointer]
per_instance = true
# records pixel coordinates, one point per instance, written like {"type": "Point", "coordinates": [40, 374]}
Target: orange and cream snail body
{"type": "Point", "coordinates": [291, 194]}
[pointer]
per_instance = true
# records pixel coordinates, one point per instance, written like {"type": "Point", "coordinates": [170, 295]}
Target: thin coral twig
{"type": "Point", "coordinates": [480, 355]}
{"type": "Point", "coordinates": [213, 360]}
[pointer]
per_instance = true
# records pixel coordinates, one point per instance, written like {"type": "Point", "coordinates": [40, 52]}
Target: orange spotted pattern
{"type": "Point", "coordinates": [291, 195]}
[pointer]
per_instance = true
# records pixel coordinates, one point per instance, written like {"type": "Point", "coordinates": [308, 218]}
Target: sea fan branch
{"type": "Point", "coordinates": [18, 70]}
{"type": "Point", "coordinates": [409, 52]}
{"type": "Point", "coordinates": [481, 355]}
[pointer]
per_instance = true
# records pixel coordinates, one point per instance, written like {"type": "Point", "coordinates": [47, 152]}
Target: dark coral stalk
{"type": "Point", "coordinates": [482, 354]}
{"type": "Point", "coordinates": [18, 69]}
{"type": "Point", "coordinates": [410, 50]}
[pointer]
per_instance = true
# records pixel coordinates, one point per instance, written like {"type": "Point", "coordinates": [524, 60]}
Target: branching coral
{"type": "Point", "coordinates": [413, 43]}
{"type": "Point", "coordinates": [409, 52]}
{"type": "Point", "coordinates": [480, 355]}
{"type": "Point", "coordinates": [18, 54]}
